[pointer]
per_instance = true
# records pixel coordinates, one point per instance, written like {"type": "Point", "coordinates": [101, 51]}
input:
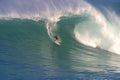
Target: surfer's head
{"type": "Point", "coordinates": [55, 38]}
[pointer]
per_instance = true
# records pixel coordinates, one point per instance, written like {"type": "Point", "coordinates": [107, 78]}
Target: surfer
{"type": "Point", "coordinates": [55, 38]}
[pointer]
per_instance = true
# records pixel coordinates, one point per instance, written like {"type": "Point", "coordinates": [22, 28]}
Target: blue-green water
{"type": "Point", "coordinates": [89, 47]}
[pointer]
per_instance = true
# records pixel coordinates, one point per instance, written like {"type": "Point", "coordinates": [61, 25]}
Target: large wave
{"type": "Point", "coordinates": [97, 30]}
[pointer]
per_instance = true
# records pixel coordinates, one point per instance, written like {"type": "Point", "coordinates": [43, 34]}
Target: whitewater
{"type": "Point", "coordinates": [88, 32]}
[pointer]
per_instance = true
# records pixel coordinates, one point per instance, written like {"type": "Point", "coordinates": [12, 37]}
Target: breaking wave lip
{"type": "Point", "coordinates": [47, 9]}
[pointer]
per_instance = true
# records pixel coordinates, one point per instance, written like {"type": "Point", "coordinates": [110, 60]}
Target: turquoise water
{"type": "Point", "coordinates": [89, 47]}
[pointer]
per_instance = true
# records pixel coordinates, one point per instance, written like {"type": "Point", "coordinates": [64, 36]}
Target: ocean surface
{"type": "Point", "coordinates": [89, 31]}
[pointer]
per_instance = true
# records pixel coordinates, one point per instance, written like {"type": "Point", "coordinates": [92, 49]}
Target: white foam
{"type": "Point", "coordinates": [87, 40]}
{"type": "Point", "coordinates": [109, 34]}
{"type": "Point", "coordinates": [47, 9]}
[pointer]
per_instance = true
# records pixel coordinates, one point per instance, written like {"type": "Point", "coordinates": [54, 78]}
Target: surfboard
{"type": "Point", "coordinates": [57, 42]}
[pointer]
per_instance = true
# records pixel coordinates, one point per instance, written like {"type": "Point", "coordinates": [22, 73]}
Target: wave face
{"type": "Point", "coordinates": [88, 31]}
{"type": "Point", "coordinates": [101, 31]}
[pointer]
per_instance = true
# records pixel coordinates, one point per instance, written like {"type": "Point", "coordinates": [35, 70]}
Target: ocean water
{"type": "Point", "coordinates": [88, 31]}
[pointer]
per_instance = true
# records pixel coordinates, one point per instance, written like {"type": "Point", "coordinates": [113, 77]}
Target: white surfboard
{"type": "Point", "coordinates": [57, 42]}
